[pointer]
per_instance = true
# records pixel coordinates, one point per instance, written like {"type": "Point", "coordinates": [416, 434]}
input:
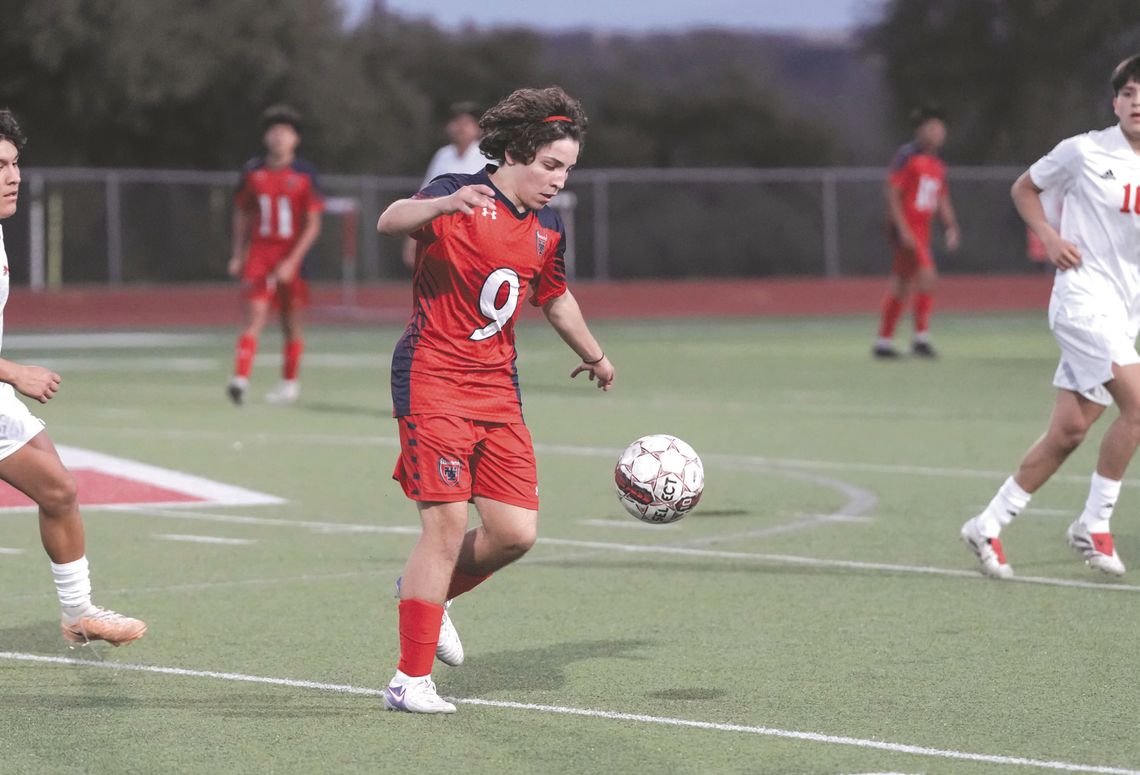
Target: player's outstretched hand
{"type": "Point", "coordinates": [36, 382]}
{"type": "Point", "coordinates": [285, 272]}
{"type": "Point", "coordinates": [235, 265]}
{"type": "Point", "coordinates": [1063, 254]}
{"type": "Point", "coordinates": [466, 199]}
{"type": "Point", "coordinates": [602, 372]}
{"type": "Point", "coordinates": [953, 238]}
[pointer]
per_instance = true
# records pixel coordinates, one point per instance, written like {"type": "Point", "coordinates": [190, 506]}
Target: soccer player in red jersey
{"type": "Point", "coordinates": [486, 242]}
{"type": "Point", "coordinates": [277, 217]}
{"type": "Point", "coordinates": [29, 461]}
{"type": "Point", "coordinates": [916, 189]}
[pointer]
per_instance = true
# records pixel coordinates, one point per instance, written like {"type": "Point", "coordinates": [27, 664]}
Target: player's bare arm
{"type": "Point", "coordinates": [288, 268]}
{"type": "Point", "coordinates": [565, 316]}
{"type": "Point", "coordinates": [949, 222]}
{"type": "Point", "coordinates": [32, 381]}
{"type": "Point", "coordinates": [239, 250]}
{"type": "Point", "coordinates": [898, 217]}
{"type": "Point", "coordinates": [1027, 199]}
{"type": "Point", "coordinates": [404, 216]}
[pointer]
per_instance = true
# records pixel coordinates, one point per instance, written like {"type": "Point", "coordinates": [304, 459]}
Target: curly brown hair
{"type": "Point", "coordinates": [527, 120]}
{"type": "Point", "coordinates": [10, 129]}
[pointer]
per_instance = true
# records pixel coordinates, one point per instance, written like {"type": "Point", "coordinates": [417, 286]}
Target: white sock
{"type": "Point", "coordinates": [883, 341]}
{"type": "Point", "coordinates": [1006, 505]}
{"type": "Point", "coordinates": [1103, 494]}
{"type": "Point", "coordinates": [921, 337]}
{"type": "Point", "coordinates": [402, 678]}
{"type": "Point", "coordinates": [73, 586]}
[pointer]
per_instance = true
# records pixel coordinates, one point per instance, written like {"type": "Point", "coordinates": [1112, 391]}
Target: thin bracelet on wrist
{"type": "Point", "coordinates": [591, 363]}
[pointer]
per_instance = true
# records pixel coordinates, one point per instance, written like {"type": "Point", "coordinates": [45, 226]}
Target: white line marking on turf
{"type": "Point", "coordinates": [6, 550]}
{"type": "Point", "coordinates": [680, 550]}
{"type": "Point", "coordinates": [205, 539]}
{"type": "Point", "coordinates": [815, 737]}
{"type": "Point", "coordinates": [627, 523]}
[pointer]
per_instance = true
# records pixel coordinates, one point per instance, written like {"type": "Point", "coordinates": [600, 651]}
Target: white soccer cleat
{"type": "Point", "coordinates": [987, 550]}
{"type": "Point", "coordinates": [285, 394]}
{"type": "Point", "coordinates": [1097, 549]}
{"type": "Point", "coordinates": [418, 695]}
{"type": "Point", "coordinates": [449, 649]}
{"type": "Point", "coordinates": [236, 388]}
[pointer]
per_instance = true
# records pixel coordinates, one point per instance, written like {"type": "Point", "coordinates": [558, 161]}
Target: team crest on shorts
{"type": "Point", "coordinates": [540, 240]}
{"type": "Point", "coordinates": [449, 471]}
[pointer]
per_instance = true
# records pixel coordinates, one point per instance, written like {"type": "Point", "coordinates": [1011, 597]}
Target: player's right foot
{"type": "Point", "coordinates": [417, 695]}
{"type": "Point", "coordinates": [884, 351]}
{"type": "Point", "coordinates": [236, 389]}
{"type": "Point", "coordinates": [101, 624]}
{"type": "Point", "coordinates": [987, 550]}
{"type": "Point", "coordinates": [448, 649]}
{"type": "Point", "coordinates": [1097, 549]}
{"type": "Point", "coordinates": [285, 394]}
{"type": "Point", "coordinates": [923, 350]}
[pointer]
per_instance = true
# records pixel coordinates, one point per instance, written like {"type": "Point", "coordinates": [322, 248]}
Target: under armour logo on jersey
{"type": "Point", "coordinates": [1108, 175]}
{"type": "Point", "coordinates": [490, 212]}
{"type": "Point", "coordinates": [541, 240]}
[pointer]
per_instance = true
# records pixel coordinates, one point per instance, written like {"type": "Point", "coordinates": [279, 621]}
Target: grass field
{"type": "Point", "coordinates": [816, 614]}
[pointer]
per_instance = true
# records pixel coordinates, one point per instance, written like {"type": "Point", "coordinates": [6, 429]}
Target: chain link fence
{"type": "Point", "coordinates": [122, 226]}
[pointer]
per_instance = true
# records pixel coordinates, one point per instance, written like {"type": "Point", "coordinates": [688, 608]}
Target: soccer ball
{"type": "Point", "coordinates": [659, 478]}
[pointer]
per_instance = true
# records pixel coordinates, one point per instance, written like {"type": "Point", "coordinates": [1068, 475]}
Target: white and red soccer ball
{"type": "Point", "coordinates": [659, 478]}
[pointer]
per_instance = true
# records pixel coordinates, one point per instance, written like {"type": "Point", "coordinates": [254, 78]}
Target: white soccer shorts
{"type": "Point", "coordinates": [1090, 343]}
{"type": "Point", "coordinates": [18, 426]}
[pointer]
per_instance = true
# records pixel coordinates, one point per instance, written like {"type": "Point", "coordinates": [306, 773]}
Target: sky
{"type": "Point", "coordinates": [811, 16]}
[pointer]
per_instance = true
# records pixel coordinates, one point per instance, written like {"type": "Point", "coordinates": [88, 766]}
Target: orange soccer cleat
{"type": "Point", "coordinates": [102, 624]}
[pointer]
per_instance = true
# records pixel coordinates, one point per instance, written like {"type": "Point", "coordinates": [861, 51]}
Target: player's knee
{"type": "Point", "coordinates": [518, 539]}
{"type": "Point", "coordinates": [61, 497]}
{"type": "Point", "coordinates": [1068, 436]}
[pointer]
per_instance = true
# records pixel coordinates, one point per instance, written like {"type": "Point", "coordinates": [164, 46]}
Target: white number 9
{"type": "Point", "coordinates": [499, 316]}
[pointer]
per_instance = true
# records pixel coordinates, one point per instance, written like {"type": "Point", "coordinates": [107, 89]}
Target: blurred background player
{"type": "Point", "coordinates": [29, 461]}
{"type": "Point", "coordinates": [487, 241]}
{"type": "Point", "coordinates": [277, 217]}
{"type": "Point", "coordinates": [460, 156]}
{"type": "Point", "coordinates": [916, 189]}
{"type": "Point", "coordinates": [1094, 313]}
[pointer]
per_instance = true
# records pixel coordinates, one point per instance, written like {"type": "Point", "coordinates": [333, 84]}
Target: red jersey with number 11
{"type": "Point", "coordinates": [279, 200]}
{"type": "Point", "coordinates": [457, 354]}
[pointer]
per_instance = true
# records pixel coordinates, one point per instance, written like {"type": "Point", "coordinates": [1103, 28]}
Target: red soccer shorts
{"type": "Point", "coordinates": [906, 263]}
{"type": "Point", "coordinates": [448, 459]}
{"type": "Point", "coordinates": [258, 282]}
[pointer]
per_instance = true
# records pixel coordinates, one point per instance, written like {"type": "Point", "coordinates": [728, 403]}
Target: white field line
{"type": "Point", "coordinates": [203, 586]}
{"type": "Point", "coordinates": [196, 539]}
{"type": "Point", "coordinates": [680, 550]}
{"type": "Point", "coordinates": [627, 524]}
{"type": "Point", "coordinates": [6, 550]}
{"type": "Point", "coordinates": [746, 462]}
{"type": "Point", "coordinates": [815, 737]}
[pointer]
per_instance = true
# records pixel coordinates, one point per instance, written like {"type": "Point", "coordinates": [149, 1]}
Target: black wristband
{"type": "Point", "coordinates": [591, 363]}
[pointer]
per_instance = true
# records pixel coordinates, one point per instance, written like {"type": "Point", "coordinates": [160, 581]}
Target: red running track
{"type": "Point", "coordinates": [169, 306]}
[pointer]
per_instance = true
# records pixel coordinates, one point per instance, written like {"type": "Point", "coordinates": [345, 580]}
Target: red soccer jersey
{"type": "Point", "coordinates": [920, 179]}
{"type": "Point", "coordinates": [278, 199]}
{"type": "Point", "coordinates": [457, 354]}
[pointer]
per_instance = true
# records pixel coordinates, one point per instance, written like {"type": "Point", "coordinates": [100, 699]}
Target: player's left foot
{"type": "Point", "coordinates": [236, 389]}
{"type": "Point", "coordinates": [923, 350]}
{"type": "Point", "coordinates": [1097, 549]}
{"type": "Point", "coordinates": [884, 351]}
{"type": "Point", "coordinates": [416, 695]}
{"type": "Point", "coordinates": [101, 624]}
{"type": "Point", "coordinates": [987, 550]}
{"type": "Point", "coordinates": [286, 393]}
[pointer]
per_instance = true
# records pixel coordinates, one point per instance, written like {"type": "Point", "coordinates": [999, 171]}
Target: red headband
{"type": "Point", "coordinates": [567, 119]}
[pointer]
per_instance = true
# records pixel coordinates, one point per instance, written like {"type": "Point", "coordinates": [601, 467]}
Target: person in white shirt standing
{"type": "Point", "coordinates": [29, 461]}
{"type": "Point", "coordinates": [459, 157]}
{"type": "Point", "coordinates": [1094, 314]}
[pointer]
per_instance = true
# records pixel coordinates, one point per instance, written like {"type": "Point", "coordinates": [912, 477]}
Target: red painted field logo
{"type": "Point", "coordinates": [107, 482]}
{"type": "Point", "coordinates": [449, 471]}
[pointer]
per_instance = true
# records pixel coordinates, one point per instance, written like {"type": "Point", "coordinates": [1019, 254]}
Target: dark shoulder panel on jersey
{"type": "Point", "coordinates": [548, 218]}
{"type": "Point", "coordinates": [306, 167]}
{"type": "Point", "coordinates": [902, 156]}
{"type": "Point", "coordinates": [449, 184]}
{"type": "Point", "coordinates": [251, 166]}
